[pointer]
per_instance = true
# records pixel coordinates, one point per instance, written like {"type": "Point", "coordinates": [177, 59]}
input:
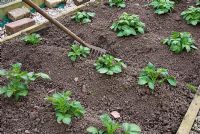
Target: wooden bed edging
{"type": "Point", "coordinates": [45, 24]}
{"type": "Point", "coordinates": [190, 116]}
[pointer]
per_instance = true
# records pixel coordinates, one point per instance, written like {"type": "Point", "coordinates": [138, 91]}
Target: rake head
{"type": "Point", "coordinates": [95, 51]}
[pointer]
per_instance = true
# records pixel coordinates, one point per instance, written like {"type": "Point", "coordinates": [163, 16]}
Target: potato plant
{"type": "Point", "coordinates": [32, 39]}
{"type": "Point", "coordinates": [78, 51]}
{"type": "Point", "coordinates": [109, 65]}
{"type": "Point", "coordinates": [112, 127]}
{"type": "Point", "coordinates": [65, 109]}
{"type": "Point", "coordinates": [192, 15]}
{"type": "Point", "coordinates": [18, 81]}
{"type": "Point", "coordinates": [162, 6]}
{"type": "Point", "coordinates": [150, 75]}
{"type": "Point", "coordinates": [117, 3]}
{"type": "Point", "coordinates": [180, 41]}
{"type": "Point", "coordinates": [83, 17]}
{"type": "Point", "coordinates": [128, 25]}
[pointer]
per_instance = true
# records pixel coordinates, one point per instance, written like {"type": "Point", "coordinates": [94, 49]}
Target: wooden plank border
{"type": "Point", "coordinates": [45, 24]}
{"type": "Point", "coordinates": [190, 116]}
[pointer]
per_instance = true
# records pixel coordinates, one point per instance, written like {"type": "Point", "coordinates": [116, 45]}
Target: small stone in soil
{"type": "Point", "coordinates": [27, 132]}
{"type": "Point", "coordinates": [177, 18]}
{"type": "Point", "coordinates": [115, 114]}
{"type": "Point", "coordinates": [84, 89]}
{"type": "Point", "coordinates": [76, 79]}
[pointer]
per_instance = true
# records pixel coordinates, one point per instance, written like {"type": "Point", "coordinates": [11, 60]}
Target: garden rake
{"type": "Point", "coordinates": [95, 50]}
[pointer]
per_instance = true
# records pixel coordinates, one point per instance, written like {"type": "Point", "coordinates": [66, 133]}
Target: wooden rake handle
{"type": "Point", "coordinates": [55, 22]}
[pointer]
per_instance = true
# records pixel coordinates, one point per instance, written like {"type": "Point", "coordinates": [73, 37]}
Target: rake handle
{"type": "Point", "coordinates": [55, 22]}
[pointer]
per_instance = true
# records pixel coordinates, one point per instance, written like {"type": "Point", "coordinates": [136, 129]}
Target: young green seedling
{"type": "Point", "coordinates": [112, 127]}
{"type": "Point", "coordinates": [117, 3]}
{"type": "Point", "coordinates": [162, 6]}
{"type": "Point", "coordinates": [65, 108]}
{"type": "Point", "coordinates": [18, 81]}
{"type": "Point", "coordinates": [128, 25]}
{"type": "Point", "coordinates": [180, 41]}
{"type": "Point", "coordinates": [78, 51]}
{"type": "Point", "coordinates": [192, 15]}
{"type": "Point", "coordinates": [191, 87]}
{"type": "Point", "coordinates": [32, 39]}
{"type": "Point", "coordinates": [83, 17]}
{"type": "Point", "coordinates": [109, 65]}
{"type": "Point", "coordinates": [150, 75]}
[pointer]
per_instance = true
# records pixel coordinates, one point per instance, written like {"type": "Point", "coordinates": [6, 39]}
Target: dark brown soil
{"type": "Point", "coordinates": [158, 113]}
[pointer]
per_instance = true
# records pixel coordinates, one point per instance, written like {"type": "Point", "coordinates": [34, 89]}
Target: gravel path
{"type": "Point", "coordinates": [3, 2]}
{"type": "Point", "coordinates": [196, 126]}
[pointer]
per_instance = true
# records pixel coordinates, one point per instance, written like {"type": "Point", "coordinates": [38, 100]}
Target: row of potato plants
{"type": "Point", "coordinates": [65, 108]}
{"type": "Point", "coordinates": [127, 25]}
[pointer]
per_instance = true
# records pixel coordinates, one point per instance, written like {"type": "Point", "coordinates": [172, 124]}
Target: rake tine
{"type": "Point", "coordinates": [92, 51]}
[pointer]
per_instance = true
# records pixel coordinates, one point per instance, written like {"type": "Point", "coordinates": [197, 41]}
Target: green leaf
{"type": "Point", "coordinates": [116, 69]}
{"type": "Point", "coordinates": [73, 58]}
{"type": "Point", "coordinates": [67, 119]}
{"type": "Point", "coordinates": [3, 72]}
{"type": "Point", "coordinates": [110, 72]}
{"type": "Point", "coordinates": [122, 5]}
{"type": "Point", "coordinates": [9, 93]}
{"type": "Point", "coordinates": [151, 85]}
{"type": "Point", "coordinates": [22, 93]}
{"type": "Point", "coordinates": [120, 34]}
{"type": "Point", "coordinates": [43, 75]}
{"type": "Point", "coordinates": [130, 128]}
{"type": "Point", "coordinates": [141, 30]}
{"type": "Point", "coordinates": [86, 20]}
{"type": "Point", "coordinates": [60, 117]}
{"type": "Point", "coordinates": [16, 66]}
{"type": "Point", "coordinates": [172, 81]}
{"type": "Point", "coordinates": [3, 90]}
{"type": "Point", "coordinates": [91, 14]}
{"type": "Point", "coordinates": [150, 65]}
{"type": "Point", "coordinates": [142, 81]}
{"type": "Point", "coordinates": [194, 22]}
{"type": "Point", "coordinates": [103, 70]}
{"type": "Point", "coordinates": [92, 130]}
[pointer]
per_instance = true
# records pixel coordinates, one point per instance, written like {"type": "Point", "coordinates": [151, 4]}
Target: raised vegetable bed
{"type": "Point", "coordinates": [158, 112]}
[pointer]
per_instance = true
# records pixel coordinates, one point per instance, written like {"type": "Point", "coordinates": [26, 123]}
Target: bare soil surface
{"type": "Point", "coordinates": [158, 113]}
